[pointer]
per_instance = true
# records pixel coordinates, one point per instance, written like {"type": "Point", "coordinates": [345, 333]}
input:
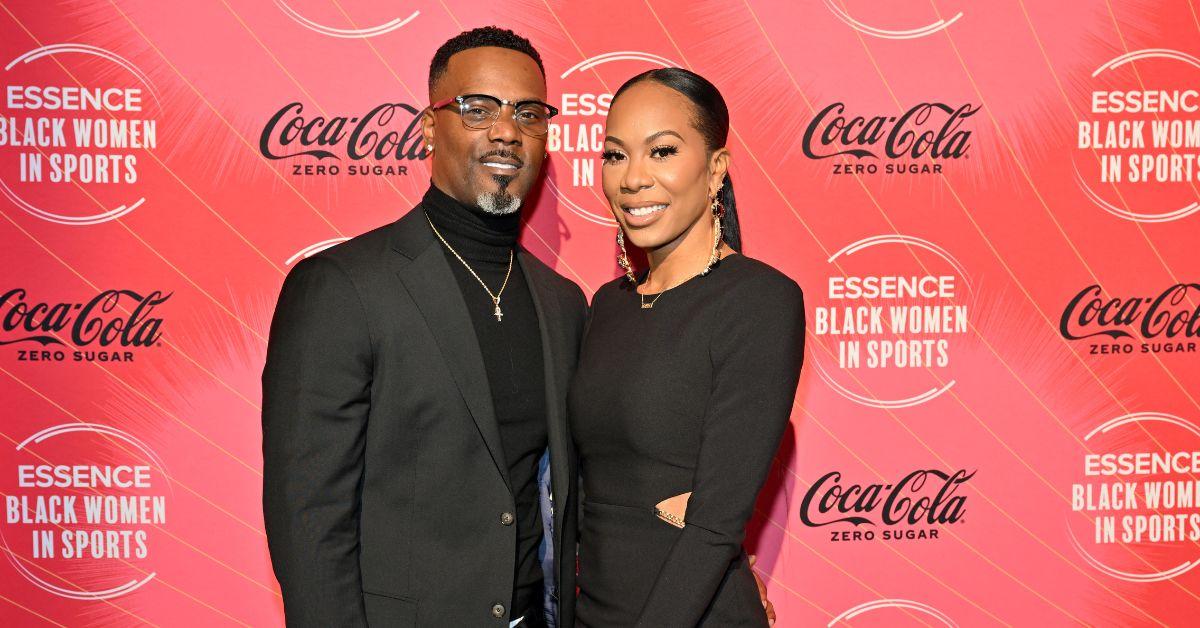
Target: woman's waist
{"type": "Point", "coordinates": [611, 485]}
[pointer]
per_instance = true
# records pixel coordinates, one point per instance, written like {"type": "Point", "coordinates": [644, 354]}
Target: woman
{"type": "Point", "coordinates": [686, 377]}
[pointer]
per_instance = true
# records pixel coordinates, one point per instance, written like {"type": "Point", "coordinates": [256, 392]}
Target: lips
{"type": "Point", "coordinates": [647, 210]}
{"type": "Point", "coordinates": [507, 162]}
{"type": "Point", "coordinates": [642, 214]}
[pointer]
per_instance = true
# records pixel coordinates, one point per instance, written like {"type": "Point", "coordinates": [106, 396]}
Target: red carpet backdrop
{"type": "Point", "coordinates": [991, 206]}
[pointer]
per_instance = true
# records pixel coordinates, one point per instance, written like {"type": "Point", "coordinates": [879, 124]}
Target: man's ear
{"type": "Point", "coordinates": [428, 128]}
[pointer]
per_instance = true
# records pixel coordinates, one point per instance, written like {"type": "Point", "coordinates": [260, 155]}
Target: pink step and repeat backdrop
{"type": "Point", "coordinates": [992, 208]}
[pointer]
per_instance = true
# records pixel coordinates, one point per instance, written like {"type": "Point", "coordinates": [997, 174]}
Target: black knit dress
{"type": "Point", "coordinates": [694, 395]}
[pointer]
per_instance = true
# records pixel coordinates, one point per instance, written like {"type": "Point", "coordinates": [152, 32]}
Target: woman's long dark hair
{"type": "Point", "coordinates": [711, 119]}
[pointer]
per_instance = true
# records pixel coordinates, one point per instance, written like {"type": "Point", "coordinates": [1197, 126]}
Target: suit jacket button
{"type": "Point", "coordinates": [507, 519]}
{"type": "Point", "coordinates": [498, 611]}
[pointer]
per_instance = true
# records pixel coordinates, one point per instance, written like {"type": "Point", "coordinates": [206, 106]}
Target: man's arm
{"type": "Point", "coordinates": [316, 396]}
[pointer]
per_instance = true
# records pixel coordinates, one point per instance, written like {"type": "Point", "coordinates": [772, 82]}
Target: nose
{"type": "Point", "coordinates": [635, 178]}
{"type": "Point", "coordinates": [504, 130]}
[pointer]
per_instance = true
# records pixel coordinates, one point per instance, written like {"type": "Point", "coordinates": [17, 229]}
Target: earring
{"type": "Point", "coordinates": [623, 257]}
{"type": "Point", "coordinates": [718, 210]}
{"type": "Point", "coordinates": [429, 147]}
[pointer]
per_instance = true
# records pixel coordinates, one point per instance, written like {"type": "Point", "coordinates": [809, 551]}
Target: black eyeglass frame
{"type": "Point", "coordinates": [501, 103]}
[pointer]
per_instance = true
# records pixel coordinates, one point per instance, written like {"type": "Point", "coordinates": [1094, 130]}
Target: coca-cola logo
{"type": "Point", "coordinates": [927, 131]}
{"type": "Point", "coordinates": [925, 497]}
{"type": "Point", "coordinates": [123, 318]}
{"type": "Point", "coordinates": [1168, 322]}
{"type": "Point", "coordinates": [385, 134]}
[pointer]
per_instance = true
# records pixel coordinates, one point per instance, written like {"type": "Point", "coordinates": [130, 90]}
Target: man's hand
{"type": "Point", "coordinates": [762, 592]}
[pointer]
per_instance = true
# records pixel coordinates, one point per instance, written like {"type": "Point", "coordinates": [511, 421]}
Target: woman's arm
{"type": "Point", "coordinates": [756, 356]}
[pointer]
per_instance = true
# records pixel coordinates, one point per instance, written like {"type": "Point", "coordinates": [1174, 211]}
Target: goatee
{"type": "Point", "coordinates": [500, 202]}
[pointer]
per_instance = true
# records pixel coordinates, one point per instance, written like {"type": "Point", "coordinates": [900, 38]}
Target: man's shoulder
{"type": "Point", "coordinates": [553, 279]}
{"type": "Point", "coordinates": [366, 252]}
{"type": "Point", "coordinates": [363, 246]}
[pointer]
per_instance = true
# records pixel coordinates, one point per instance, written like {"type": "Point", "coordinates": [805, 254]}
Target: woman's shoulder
{"type": "Point", "coordinates": [610, 288]}
{"type": "Point", "coordinates": [757, 279]}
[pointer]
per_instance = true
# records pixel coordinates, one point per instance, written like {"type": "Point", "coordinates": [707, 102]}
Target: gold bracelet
{"type": "Point", "coordinates": [669, 518]}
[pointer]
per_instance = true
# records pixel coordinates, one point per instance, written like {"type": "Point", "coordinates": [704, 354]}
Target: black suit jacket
{"type": "Point", "coordinates": [384, 485]}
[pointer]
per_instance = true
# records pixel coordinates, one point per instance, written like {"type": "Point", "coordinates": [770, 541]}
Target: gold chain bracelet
{"type": "Point", "coordinates": [669, 518]}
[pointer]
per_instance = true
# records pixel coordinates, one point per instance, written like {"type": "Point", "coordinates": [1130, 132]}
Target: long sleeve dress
{"type": "Point", "coordinates": [694, 395]}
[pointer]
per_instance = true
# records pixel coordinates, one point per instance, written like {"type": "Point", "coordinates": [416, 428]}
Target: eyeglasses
{"type": "Point", "coordinates": [480, 112]}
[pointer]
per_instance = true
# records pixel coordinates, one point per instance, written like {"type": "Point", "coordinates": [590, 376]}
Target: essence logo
{"type": "Point", "coordinates": [371, 136]}
{"type": "Point", "coordinates": [908, 509]}
{"type": "Point", "coordinates": [1136, 147]}
{"type": "Point", "coordinates": [1139, 495]}
{"type": "Point", "coordinates": [932, 130]}
{"type": "Point", "coordinates": [56, 141]}
{"type": "Point", "coordinates": [94, 323]}
{"type": "Point", "coordinates": [93, 515]}
{"type": "Point", "coordinates": [1164, 323]}
{"type": "Point", "coordinates": [888, 324]}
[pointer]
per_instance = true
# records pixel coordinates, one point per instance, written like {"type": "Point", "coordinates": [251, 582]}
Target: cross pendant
{"type": "Point", "coordinates": [497, 313]}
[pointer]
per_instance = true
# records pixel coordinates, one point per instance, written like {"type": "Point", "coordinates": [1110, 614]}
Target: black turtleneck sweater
{"type": "Point", "coordinates": [512, 355]}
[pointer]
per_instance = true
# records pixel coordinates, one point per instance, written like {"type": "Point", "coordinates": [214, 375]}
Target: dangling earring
{"type": "Point", "coordinates": [718, 210]}
{"type": "Point", "coordinates": [623, 257]}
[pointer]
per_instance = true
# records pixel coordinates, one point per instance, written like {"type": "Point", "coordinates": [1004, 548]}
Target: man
{"type": "Point", "coordinates": [416, 374]}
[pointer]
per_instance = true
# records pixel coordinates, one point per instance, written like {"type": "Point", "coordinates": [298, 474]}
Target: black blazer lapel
{"type": "Point", "coordinates": [432, 285]}
{"type": "Point", "coordinates": [555, 356]}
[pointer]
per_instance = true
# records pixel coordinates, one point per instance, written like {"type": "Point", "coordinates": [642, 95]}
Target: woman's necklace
{"type": "Point", "coordinates": [495, 297]}
{"type": "Point", "coordinates": [646, 305]}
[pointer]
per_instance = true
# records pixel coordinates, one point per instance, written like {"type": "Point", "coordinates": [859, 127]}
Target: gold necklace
{"type": "Point", "coordinates": [495, 297]}
{"type": "Point", "coordinates": [647, 306]}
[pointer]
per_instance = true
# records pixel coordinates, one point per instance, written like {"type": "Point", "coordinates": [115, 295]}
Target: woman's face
{"type": "Point", "coordinates": [658, 175]}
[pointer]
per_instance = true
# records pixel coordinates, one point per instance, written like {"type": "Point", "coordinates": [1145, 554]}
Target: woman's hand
{"type": "Point", "coordinates": [762, 592]}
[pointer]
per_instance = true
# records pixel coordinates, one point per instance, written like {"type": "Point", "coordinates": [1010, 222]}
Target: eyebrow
{"type": "Point", "coordinates": [487, 93]}
{"type": "Point", "coordinates": [614, 140]}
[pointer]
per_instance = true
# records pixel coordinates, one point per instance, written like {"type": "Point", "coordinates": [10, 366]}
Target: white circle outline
{"type": "Point", "coordinates": [345, 33]}
{"type": "Point", "coordinates": [104, 594]}
{"type": "Point", "coordinates": [1129, 576]}
{"type": "Point", "coordinates": [53, 49]}
{"type": "Point", "coordinates": [890, 34]}
{"type": "Point", "coordinates": [1112, 64]}
{"type": "Point", "coordinates": [921, 607]}
{"type": "Point", "coordinates": [314, 248]}
{"type": "Point", "coordinates": [892, 238]}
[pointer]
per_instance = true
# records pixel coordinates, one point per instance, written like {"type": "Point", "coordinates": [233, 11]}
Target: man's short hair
{"type": "Point", "coordinates": [478, 38]}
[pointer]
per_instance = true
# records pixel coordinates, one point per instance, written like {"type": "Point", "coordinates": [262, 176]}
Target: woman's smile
{"type": "Point", "coordinates": [644, 213]}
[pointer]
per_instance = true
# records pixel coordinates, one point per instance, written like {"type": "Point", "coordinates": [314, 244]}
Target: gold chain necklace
{"type": "Point", "coordinates": [647, 306]}
{"type": "Point", "coordinates": [495, 297]}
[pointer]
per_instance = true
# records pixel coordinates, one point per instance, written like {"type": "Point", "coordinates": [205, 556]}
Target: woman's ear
{"type": "Point", "coordinates": [718, 166]}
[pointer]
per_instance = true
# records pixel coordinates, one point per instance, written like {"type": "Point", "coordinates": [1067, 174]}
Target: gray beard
{"type": "Point", "coordinates": [499, 203]}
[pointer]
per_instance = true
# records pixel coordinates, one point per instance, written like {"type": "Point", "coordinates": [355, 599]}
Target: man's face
{"type": "Point", "coordinates": [493, 168]}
